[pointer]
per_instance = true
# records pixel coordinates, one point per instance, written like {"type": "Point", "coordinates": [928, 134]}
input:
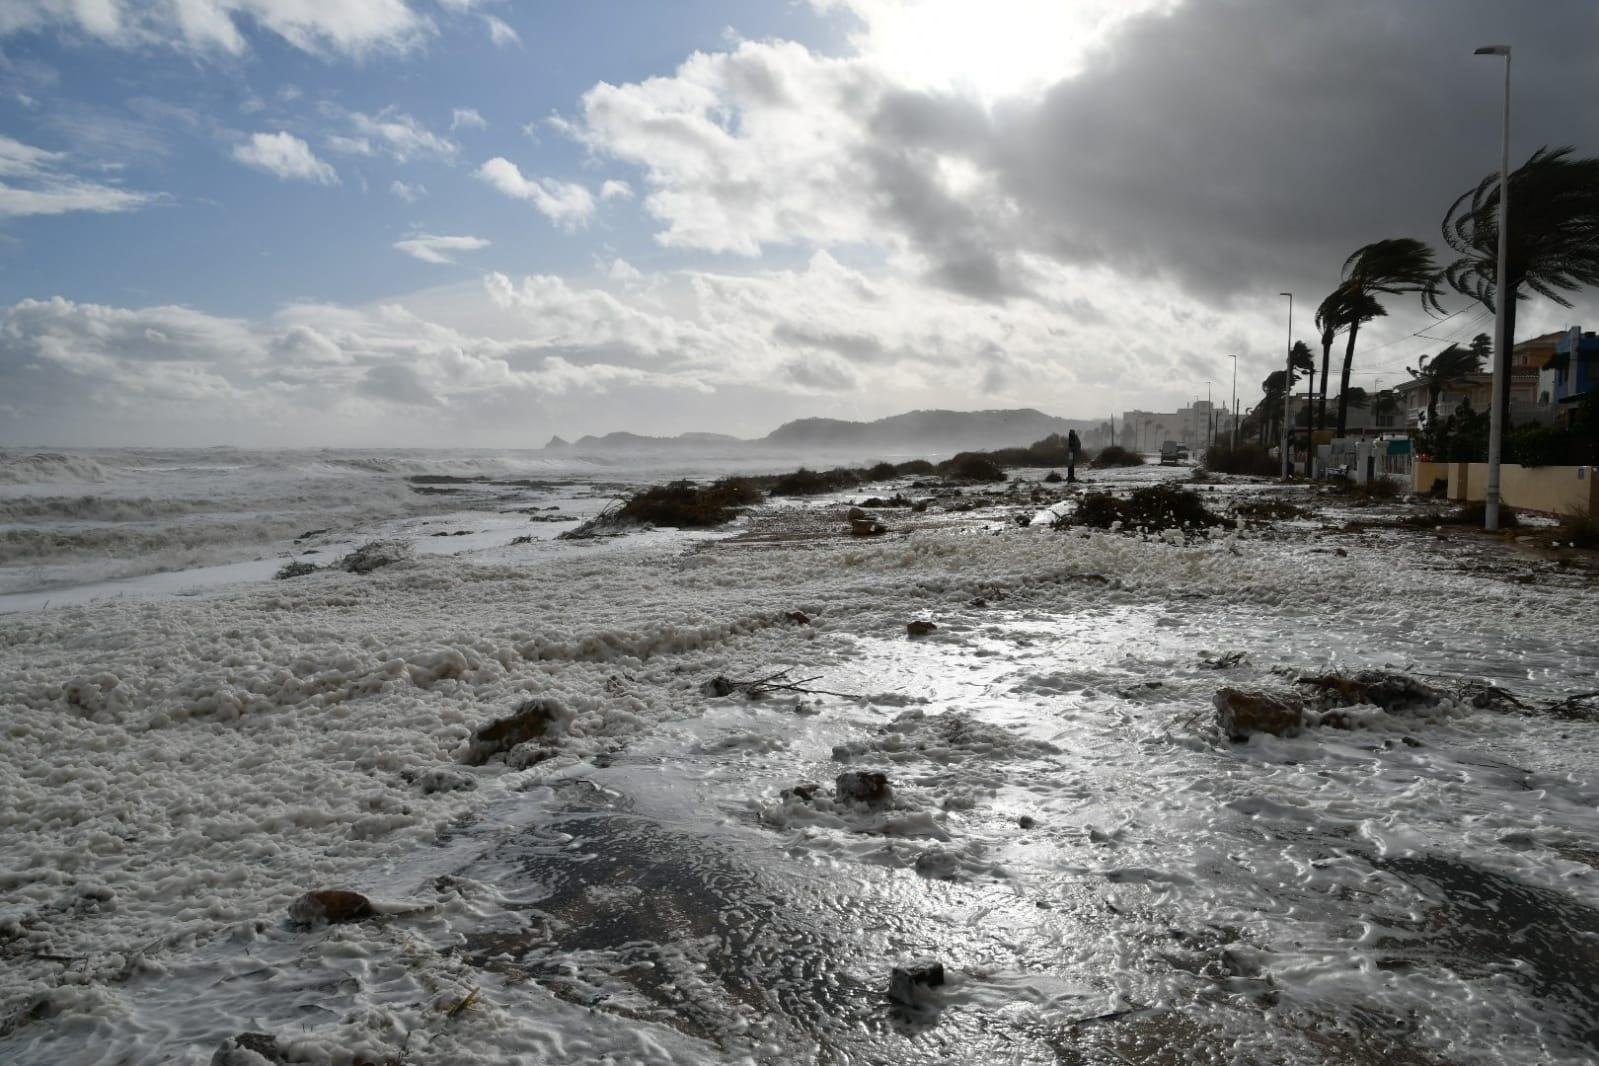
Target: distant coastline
{"type": "Point", "coordinates": [913, 432]}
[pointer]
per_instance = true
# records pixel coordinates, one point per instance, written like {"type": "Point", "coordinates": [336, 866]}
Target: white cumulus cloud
{"type": "Point", "coordinates": [564, 203]}
{"type": "Point", "coordinates": [468, 118]}
{"type": "Point", "coordinates": [286, 156]}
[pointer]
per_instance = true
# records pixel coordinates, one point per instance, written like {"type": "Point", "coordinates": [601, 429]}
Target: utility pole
{"type": "Point", "coordinates": [1502, 297]}
{"type": "Point", "coordinates": [1288, 379]}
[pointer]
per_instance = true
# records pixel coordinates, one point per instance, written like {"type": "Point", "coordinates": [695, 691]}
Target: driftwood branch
{"type": "Point", "coordinates": [778, 682]}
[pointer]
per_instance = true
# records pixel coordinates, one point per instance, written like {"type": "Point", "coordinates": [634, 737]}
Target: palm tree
{"type": "Point", "coordinates": [1384, 404]}
{"type": "Point", "coordinates": [1444, 369]}
{"type": "Point", "coordinates": [1382, 268]}
{"type": "Point", "coordinates": [1333, 316]}
{"type": "Point", "coordinates": [1272, 404]}
{"type": "Point", "coordinates": [1553, 243]}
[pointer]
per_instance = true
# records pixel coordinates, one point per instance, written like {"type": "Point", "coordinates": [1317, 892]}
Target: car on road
{"type": "Point", "coordinates": [1173, 452]}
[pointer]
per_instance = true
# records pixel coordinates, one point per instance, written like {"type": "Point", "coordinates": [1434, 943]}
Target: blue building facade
{"type": "Point", "coordinates": [1573, 371]}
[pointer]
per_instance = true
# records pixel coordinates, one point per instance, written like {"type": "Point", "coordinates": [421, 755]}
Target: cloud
{"type": "Point", "coordinates": [616, 190]}
{"type": "Point", "coordinates": [327, 27]}
{"type": "Point", "coordinates": [410, 192]}
{"type": "Point", "coordinates": [566, 204]}
{"type": "Point", "coordinates": [466, 117]}
{"type": "Point", "coordinates": [35, 182]}
{"type": "Point", "coordinates": [500, 32]}
{"type": "Point", "coordinates": [286, 156]}
{"type": "Point", "coordinates": [395, 134]}
{"type": "Point", "coordinates": [1221, 144]}
{"type": "Point", "coordinates": [434, 249]}
{"type": "Point", "coordinates": [758, 146]}
{"type": "Point", "coordinates": [308, 371]}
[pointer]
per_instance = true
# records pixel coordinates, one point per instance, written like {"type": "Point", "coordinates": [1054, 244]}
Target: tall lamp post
{"type": "Point", "coordinates": [1233, 412]}
{"type": "Point", "coordinates": [1288, 378]}
{"type": "Point", "coordinates": [1503, 295]}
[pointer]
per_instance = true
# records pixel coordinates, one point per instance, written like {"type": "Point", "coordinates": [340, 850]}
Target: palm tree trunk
{"type": "Point", "coordinates": [1434, 387]}
{"type": "Point", "coordinates": [1326, 356]}
{"type": "Point", "coordinates": [1343, 382]}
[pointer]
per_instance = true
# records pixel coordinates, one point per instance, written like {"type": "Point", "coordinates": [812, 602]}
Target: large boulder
{"type": "Point", "coordinates": [540, 718]}
{"type": "Point", "coordinates": [330, 906]}
{"type": "Point", "coordinates": [908, 984]}
{"type": "Point", "coordinates": [1241, 713]}
{"type": "Point", "coordinates": [862, 786]}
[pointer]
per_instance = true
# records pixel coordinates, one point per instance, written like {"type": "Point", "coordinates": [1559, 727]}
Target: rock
{"type": "Point", "coordinates": [1027, 821]}
{"type": "Point", "coordinates": [936, 864]}
{"type": "Point", "coordinates": [1241, 713]}
{"type": "Point", "coordinates": [862, 786]}
{"type": "Point", "coordinates": [536, 718]}
{"type": "Point", "coordinates": [446, 781]}
{"type": "Point", "coordinates": [719, 686]}
{"type": "Point", "coordinates": [979, 602]}
{"type": "Point", "coordinates": [908, 984]}
{"type": "Point", "coordinates": [1342, 553]}
{"type": "Point", "coordinates": [249, 1049]}
{"type": "Point", "coordinates": [803, 792]}
{"type": "Point", "coordinates": [855, 514]}
{"type": "Point", "coordinates": [376, 554]}
{"type": "Point", "coordinates": [920, 628]}
{"type": "Point", "coordinates": [330, 906]}
{"type": "Point", "coordinates": [1392, 692]}
{"type": "Point", "coordinates": [799, 618]}
{"type": "Point", "coordinates": [866, 527]}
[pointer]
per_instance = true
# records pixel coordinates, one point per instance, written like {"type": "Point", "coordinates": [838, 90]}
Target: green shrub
{"type": "Point", "coordinates": [803, 482]}
{"type": "Point", "coordinates": [881, 472]}
{"type": "Point", "coordinates": [1247, 458]}
{"type": "Point", "coordinates": [1579, 528]}
{"type": "Point", "coordinates": [1269, 509]}
{"type": "Point", "coordinates": [914, 467]}
{"type": "Point", "coordinates": [685, 505]}
{"type": "Point", "coordinates": [295, 569]}
{"type": "Point", "coordinates": [1116, 455]}
{"type": "Point", "coordinates": [1151, 509]}
{"type": "Point", "coordinates": [1547, 446]}
{"type": "Point", "coordinates": [972, 466]}
{"type": "Point", "coordinates": [1476, 513]}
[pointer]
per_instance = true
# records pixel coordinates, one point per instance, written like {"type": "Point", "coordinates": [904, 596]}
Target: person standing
{"type": "Point", "coordinates": [1073, 445]}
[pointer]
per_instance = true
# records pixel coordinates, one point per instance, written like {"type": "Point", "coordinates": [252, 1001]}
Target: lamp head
{"type": "Point", "coordinates": [1493, 50]}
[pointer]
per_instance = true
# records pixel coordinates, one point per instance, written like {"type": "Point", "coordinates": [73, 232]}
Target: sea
{"type": "Point", "coordinates": [89, 524]}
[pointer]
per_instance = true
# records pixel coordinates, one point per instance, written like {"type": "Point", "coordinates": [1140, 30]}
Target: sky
{"type": "Point", "coordinates": [478, 223]}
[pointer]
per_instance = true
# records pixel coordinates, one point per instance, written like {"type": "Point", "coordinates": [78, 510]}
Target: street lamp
{"type": "Point", "coordinates": [1288, 379]}
{"type": "Point", "coordinates": [1233, 411]}
{"type": "Point", "coordinates": [1503, 294]}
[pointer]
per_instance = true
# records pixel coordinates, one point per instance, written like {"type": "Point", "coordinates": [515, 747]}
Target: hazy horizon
{"type": "Point", "coordinates": [470, 223]}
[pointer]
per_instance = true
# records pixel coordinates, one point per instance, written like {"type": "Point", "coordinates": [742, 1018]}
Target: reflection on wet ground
{"type": "Point", "coordinates": [1482, 925]}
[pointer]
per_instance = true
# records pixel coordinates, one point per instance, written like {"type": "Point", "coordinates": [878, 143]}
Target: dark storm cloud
{"type": "Point", "coordinates": [1236, 144]}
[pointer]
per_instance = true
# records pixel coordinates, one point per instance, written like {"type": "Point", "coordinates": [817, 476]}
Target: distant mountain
{"type": "Point", "coordinates": [634, 442]}
{"type": "Point", "coordinates": [557, 442]}
{"type": "Point", "coordinates": [931, 432]}
{"type": "Point", "coordinates": [944, 431]}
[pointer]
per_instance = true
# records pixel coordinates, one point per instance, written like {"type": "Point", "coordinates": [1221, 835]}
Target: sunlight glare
{"type": "Point", "coordinates": [994, 49]}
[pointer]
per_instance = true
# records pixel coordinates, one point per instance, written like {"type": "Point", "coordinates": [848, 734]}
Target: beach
{"type": "Point", "coordinates": [672, 875]}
